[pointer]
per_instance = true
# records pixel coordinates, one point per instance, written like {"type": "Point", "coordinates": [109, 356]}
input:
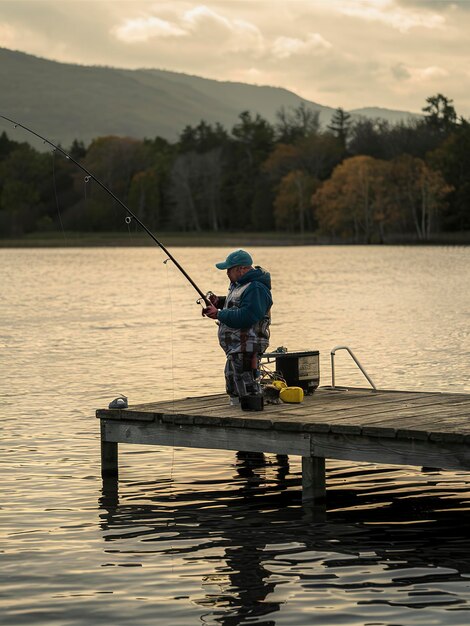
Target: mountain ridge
{"type": "Point", "coordinates": [86, 101]}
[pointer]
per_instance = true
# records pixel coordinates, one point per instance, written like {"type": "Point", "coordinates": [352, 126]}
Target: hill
{"type": "Point", "coordinates": [67, 101]}
{"type": "Point", "coordinates": [386, 114]}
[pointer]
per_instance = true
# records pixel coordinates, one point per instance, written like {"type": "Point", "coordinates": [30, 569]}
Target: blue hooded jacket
{"type": "Point", "coordinates": [256, 300]}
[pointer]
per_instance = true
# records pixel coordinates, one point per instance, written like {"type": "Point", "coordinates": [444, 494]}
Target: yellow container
{"type": "Point", "coordinates": [280, 384]}
{"type": "Point", "coordinates": [292, 394]}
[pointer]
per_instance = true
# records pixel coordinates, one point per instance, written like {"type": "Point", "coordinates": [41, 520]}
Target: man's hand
{"type": "Point", "coordinates": [210, 311]}
{"type": "Point", "coordinates": [213, 299]}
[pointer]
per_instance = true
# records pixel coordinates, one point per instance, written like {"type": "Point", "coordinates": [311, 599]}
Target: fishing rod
{"type": "Point", "coordinates": [131, 214]}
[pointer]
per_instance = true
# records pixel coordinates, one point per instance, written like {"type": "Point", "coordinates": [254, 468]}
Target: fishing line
{"type": "Point", "coordinates": [56, 196]}
{"type": "Point", "coordinates": [203, 297]}
{"type": "Point", "coordinates": [165, 262]}
{"type": "Point", "coordinates": [172, 370]}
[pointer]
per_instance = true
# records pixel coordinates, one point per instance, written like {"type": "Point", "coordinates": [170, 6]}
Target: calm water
{"type": "Point", "coordinates": [200, 536]}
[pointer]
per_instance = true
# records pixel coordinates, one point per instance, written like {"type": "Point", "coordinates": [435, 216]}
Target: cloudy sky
{"type": "Point", "coordinates": [349, 53]}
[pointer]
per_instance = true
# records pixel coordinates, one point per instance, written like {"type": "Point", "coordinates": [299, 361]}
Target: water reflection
{"type": "Point", "coordinates": [243, 583]}
{"type": "Point", "coordinates": [383, 544]}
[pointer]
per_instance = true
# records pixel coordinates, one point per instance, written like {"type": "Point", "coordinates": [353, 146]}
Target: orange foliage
{"type": "Point", "coordinates": [282, 160]}
{"type": "Point", "coordinates": [365, 196]}
{"type": "Point", "coordinates": [292, 203]}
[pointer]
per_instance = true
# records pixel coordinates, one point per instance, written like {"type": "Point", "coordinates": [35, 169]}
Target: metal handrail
{"type": "Point", "coordinates": [355, 360]}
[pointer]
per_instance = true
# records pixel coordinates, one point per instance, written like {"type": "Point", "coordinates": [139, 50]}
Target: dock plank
{"type": "Point", "coordinates": [342, 410]}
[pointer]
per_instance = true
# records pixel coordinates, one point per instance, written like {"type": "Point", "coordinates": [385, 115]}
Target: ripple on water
{"type": "Point", "coordinates": [205, 536]}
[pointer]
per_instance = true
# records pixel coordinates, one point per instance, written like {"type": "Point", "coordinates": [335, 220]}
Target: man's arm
{"type": "Point", "coordinates": [255, 302]}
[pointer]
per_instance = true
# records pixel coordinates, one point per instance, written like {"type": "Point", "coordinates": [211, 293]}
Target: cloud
{"type": "Point", "coordinates": [238, 34]}
{"type": "Point", "coordinates": [285, 47]}
{"type": "Point", "coordinates": [419, 74]}
{"type": "Point", "coordinates": [402, 18]}
{"type": "Point", "coordinates": [430, 73]}
{"type": "Point", "coordinates": [145, 28]}
{"type": "Point", "coordinates": [199, 23]}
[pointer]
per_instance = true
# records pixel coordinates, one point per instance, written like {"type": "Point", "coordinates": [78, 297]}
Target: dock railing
{"type": "Point", "coordinates": [355, 359]}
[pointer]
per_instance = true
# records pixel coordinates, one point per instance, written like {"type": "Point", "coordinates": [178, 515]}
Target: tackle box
{"type": "Point", "coordinates": [298, 368]}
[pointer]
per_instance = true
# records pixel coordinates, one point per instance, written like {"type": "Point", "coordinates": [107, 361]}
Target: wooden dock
{"type": "Point", "coordinates": [392, 427]}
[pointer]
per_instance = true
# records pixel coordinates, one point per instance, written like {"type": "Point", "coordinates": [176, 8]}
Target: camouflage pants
{"type": "Point", "coordinates": [242, 374]}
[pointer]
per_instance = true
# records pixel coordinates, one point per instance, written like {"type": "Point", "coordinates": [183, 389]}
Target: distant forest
{"type": "Point", "coordinates": [360, 181]}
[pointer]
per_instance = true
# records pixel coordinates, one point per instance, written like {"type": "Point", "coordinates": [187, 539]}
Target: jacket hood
{"type": "Point", "coordinates": [257, 274]}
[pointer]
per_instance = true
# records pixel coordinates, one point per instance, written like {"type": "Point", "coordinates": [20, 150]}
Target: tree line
{"type": "Point", "coordinates": [360, 180]}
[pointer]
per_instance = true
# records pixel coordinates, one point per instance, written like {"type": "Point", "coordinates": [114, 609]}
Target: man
{"type": "Point", "coordinates": [244, 316]}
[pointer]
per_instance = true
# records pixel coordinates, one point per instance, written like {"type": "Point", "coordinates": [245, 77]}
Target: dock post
{"type": "Point", "coordinates": [313, 483]}
{"type": "Point", "coordinates": [109, 456]}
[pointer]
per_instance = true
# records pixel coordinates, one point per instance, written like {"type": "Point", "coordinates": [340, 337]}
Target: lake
{"type": "Point", "coordinates": [212, 537]}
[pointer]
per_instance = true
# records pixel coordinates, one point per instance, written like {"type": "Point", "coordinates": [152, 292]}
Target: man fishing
{"type": "Point", "coordinates": [244, 316]}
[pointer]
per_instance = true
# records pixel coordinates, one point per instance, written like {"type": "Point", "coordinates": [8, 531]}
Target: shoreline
{"type": "Point", "coordinates": [204, 239]}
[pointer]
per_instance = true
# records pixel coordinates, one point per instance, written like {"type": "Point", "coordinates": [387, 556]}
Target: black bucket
{"type": "Point", "coordinates": [254, 402]}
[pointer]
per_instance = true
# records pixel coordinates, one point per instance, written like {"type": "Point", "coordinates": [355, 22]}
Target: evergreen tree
{"type": "Point", "coordinates": [441, 115]}
{"type": "Point", "coordinates": [340, 126]}
{"type": "Point", "coordinates": [253, 141]}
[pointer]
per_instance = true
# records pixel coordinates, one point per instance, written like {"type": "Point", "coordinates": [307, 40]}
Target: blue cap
{"type": "Point", "coordinates": [239, 257]}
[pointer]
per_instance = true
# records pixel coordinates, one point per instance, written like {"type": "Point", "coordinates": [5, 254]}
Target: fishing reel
{"type": "Point", "coordinates": [207, 300]}
{"type": "Point", "coordinates": [204, 301]}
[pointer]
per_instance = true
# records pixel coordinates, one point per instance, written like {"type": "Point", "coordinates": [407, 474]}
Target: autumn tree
{"type": "Point", "coordinates": [348, 203]}
{"type": "Point", "coordinates": [283, 159]}
{"type": "Point", "coordinates": [295, 170]}
{"type": "Point", "coordinates": [316, 155]}
{"type": "Point", "coordinates": [319, 154]}
{"type": "Point", "coordinates": [366, 197]}
{"type": "Point", "coordinates": [419, 194]}
{"type": "Point", "coordinates": [292, 206]}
